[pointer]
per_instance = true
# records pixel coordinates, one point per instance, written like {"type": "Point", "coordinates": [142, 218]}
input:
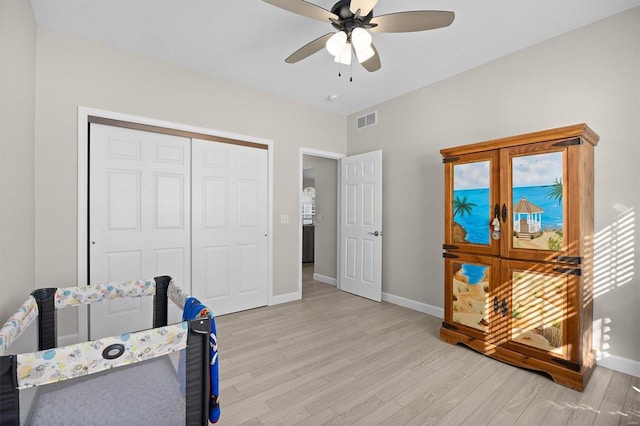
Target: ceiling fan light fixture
{"type": "Point", "coordinates": [364, 54]}
{"type": "Point", "coordinates": [360, 38]}
{"type": "Point", "coordinates": [344, 57]}
{"type": "Point", "coordinates": [336, 43]}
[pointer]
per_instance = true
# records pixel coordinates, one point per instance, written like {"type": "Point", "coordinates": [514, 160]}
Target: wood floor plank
{"type": "Point", "coordinates": [613, 400]}
{"type": "Point", "coordinates": [591, 398]}
{"type": "Point", "coordinates": [631, 410]}
{"type": "Point", "coordinates": [537, 410]}
{"type": "Point", "coordinates": [381, 415]}
{"type": "Point", "coordinates": [562, 407]}
{"type": "Point", "coordinates": [499, 393]}
{"type": "Point", "coordinates": [524, 398]}
{"type": "Point", "coordinates": [335, 358]}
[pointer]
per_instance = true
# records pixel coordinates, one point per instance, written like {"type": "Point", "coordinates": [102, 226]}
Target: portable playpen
{"type": "Point", "coordinates": [166, 375]}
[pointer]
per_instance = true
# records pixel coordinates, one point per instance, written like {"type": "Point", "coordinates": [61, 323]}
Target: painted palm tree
{"type": "Point", "coordinates": [462, 205]}
{"type": "Point", "coordinates": [555, 192]}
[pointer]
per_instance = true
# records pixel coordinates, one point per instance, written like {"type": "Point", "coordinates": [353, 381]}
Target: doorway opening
{"type": "Point", "coordinates": [319, 217]}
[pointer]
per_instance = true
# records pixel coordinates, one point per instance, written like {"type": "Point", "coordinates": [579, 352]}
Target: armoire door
{"type": "Point", "coordinates": [473, 297]}
{"type": "Point", "coordinates": [472, 203]}
{"type": "Point", "coordinates": [230, 214]}
{"type": "Point", "coordinates": [541, 202]}
{"type": "Point", "coordinates": [541, 319]}
{"type": "Point", "coordinates": [139, 219]}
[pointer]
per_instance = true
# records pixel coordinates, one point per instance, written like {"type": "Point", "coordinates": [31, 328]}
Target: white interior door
{"type": "Point", "coordinates": [139, 219]}
{"type": "Point", "coordinates": [230, 212]}
{"type": "Point", "coordinates": [361, 225]}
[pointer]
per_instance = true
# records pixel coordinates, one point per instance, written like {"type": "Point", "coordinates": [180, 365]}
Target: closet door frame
{"type": "Point", "coordinates": [88, 115]}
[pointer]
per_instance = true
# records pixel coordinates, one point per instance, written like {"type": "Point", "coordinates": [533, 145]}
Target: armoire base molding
{"type": "Point", "coordinates": [564, 376]}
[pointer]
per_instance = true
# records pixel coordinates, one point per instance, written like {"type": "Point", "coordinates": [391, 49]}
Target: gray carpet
{"type": "Point", "coordinates": [146, 393]}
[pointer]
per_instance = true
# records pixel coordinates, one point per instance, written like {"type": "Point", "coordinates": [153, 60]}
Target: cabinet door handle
{"type": "Point", "coordinates": [504, 213]}
{"type": "Point", "coordinates": [496, 305]}
{"type": "Point", "coordinates": [505, 309]}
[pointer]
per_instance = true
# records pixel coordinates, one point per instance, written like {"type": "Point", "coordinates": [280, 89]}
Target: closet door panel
{"type": "Point", "coordinates": [139, 219]}
{"type": "Point", "coordinates": [230, 252]}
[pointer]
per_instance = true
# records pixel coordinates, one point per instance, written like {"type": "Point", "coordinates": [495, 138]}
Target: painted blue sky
{"type": "Point", "coordinates": [528, 170]}
{"type": "Point", "coordinates": [536, 170]}
{"type": "Point", "coordinates": [471, 175]}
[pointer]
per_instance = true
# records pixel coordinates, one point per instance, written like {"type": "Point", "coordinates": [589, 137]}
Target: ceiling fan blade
{"type": "Point", "coordinates": [416, 20]}
{"type": "Point", "coordinates": [373, 63]}
{"type": "Point", "coordinates": [304, 8]}
{"type": "Point", "coordinates": [365, 6]}
{"type": "Point", "coordinates": [308, 49]}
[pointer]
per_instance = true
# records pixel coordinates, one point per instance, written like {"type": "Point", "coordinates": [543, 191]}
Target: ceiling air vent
{"type": "Point", "coordinates": [367, 120]}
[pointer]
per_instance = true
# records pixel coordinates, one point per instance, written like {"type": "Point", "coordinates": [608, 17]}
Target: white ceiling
{"type": "Point", "coordinates": [246, 41]}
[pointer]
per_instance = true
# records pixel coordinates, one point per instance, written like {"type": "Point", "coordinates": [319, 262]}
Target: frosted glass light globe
{"type": "Point", "coordinates": [336, 43]}
{"type": "Point", "coordinates": [360, 38]}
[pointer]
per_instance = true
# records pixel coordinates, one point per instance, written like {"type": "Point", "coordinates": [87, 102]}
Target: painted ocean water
{"type": "Point", "coordinates": [474, 273]}
{"type": "Point", "coordinates": [477, 223]}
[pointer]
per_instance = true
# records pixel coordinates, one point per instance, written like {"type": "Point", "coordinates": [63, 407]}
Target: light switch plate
{"type": "Point", "coordinates": [284, 219]}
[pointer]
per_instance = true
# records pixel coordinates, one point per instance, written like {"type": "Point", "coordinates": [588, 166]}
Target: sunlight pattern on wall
{"type": "Point", "coordinates": [614, 253]}
{"type": "Point", "coordinates": [614, 258]}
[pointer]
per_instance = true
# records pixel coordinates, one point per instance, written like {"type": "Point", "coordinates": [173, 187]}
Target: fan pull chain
{"type": "Point", "coordinates": [351, 73]}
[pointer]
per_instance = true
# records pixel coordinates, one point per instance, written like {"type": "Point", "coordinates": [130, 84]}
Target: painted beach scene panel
{"type": "Point", "coordinates": [471, 203]}
{"type": "Point", "coordinates": [537, 310]}
{"type": "Point", "coordinates": [537, 211]}
{"type": "Point", "coordinates": [538, 208]}
{"type": "Point", "coordinates": [471, 301]}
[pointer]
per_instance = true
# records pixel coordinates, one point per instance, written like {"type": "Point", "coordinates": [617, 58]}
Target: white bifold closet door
{"type": "Point", "coordinates": [167, 205]}
{"type": "Point", "coordinates": [139, 219]}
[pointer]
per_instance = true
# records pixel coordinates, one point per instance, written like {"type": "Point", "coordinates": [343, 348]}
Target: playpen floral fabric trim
{"type": "Point", "coordinates": [71, 361]}
{"type": "Point", "coordinates": [73, 296]}
{"type": "Point", "coordinates": [17, 323]}
{"type": "Point", "coordinates": [177, 294]}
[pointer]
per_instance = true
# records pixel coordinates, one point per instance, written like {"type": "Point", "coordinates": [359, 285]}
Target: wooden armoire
{"type": "Point", "coordinates": [518, 250]}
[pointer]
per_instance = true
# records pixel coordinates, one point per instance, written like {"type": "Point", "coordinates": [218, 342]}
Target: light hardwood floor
{"type": "Point", "coordinates": [335, 358]}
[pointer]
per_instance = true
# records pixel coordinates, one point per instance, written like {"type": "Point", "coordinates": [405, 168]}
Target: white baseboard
{"type": "Point", "coordinates": [325, 279]}
{"type": "Point", "coordinates": [618, 363]}
{"type": "Point", "coordinates": [285, 298]}
{"type": "Point", "coordinates": [412, 304]}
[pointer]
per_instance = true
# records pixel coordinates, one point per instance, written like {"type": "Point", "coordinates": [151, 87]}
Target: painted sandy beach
{"type": "Point", "coordinates": [537, 315]}
{"type": "Point", "coordinates": [471, 296]}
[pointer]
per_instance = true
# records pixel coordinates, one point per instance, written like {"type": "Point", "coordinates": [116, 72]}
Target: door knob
{"type": "Point", "coordinates": [375, 233]}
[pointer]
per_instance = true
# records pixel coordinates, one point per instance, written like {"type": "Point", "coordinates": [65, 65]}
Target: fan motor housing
{"type": "Point", "coordinates": [348, 21]}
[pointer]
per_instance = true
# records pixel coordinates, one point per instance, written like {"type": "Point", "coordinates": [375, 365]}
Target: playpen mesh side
{"type": "Point", "coordinates": [141, 394]}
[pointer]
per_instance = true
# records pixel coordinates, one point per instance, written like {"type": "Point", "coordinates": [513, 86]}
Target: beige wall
{"type": "Point", "coordinates": [589, 75]}
{"type": "Point", "coordinates": [326, 231]}
{"type": "Point", "coordinates": [72, 72]}
{"type": "Point", "coordinates": [17, 114]}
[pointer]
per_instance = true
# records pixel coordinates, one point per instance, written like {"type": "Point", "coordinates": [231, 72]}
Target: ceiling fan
{"type": "Point", "coordinates": [354, 20]}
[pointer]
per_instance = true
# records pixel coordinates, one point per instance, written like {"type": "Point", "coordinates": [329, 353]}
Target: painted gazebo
{"type": "Point", "coordinates": [527, 218]}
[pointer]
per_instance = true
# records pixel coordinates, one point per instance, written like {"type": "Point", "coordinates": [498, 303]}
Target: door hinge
{"type": "Point", "coordinates": [450, 159]}
{"type": "Point", "coordinates": [569, 259]}
{"type": "Point", "coordinates": [570, 142]}
{"type": "Point", "coordinates": [450, 256]}
{"type": "Point", "coordinates": [449, 247]}
{"type": "Point", "coordinates": [569, 271]}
